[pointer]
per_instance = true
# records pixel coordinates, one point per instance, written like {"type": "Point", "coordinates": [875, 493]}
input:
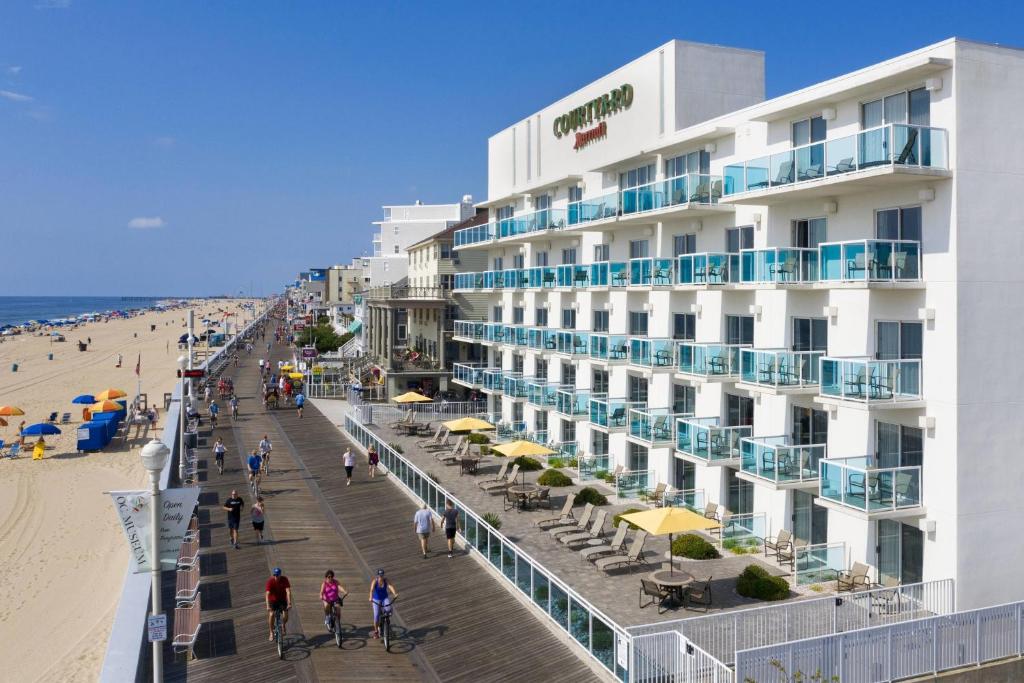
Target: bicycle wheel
{"type": "Point", "coordinates": [337, 630]}
{"type": "Point", "coordinates": [387, 633]}
{"type": "Point", "coordinates": [278, 636]}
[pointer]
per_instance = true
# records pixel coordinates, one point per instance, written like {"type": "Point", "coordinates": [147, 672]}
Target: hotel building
{"type": "Point", "coordinates": [799, 308]}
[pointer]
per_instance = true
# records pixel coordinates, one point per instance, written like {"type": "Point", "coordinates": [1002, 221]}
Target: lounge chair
{"type": "Point", "coordinates": [888, 601]}
{"type": "Point", "coordinates": [698, 593]}
{"type": "Point", "coordinates": [711, 511]}
{"type": "Point", "coordinates": [408, 419]}
{"type": "Point", "coordinates": [499, 485]}
{"type": "Point", "coordinates": [444, 442]}
{"type": "Point", "coordinates": [632, 558]}
{"type": "Point", "coordinates": [581, 525]}
{"type": "Point", "coordinates": [441, 432]}
{"type": "Point", "coordinates": [853, 578]}
{"type": "Point", "coordinates": [784, 541]}
{"type": "Point", "coordinates": [844, 166]}
{"type": "Point", "coordinates": [499, 477]}
{"type": "Point", "coordinates": [53, 417]}
{"type": "Point", "coordinates": [657, 594]}
{"type": "Point", "coordinates": [596, 529]}
{"type": "Point", "coordinates": [656, 494]}
{"type": "Point", "coordinates": [14, 450]}
{"type": "Point", "coordinates": [617, 418]}
{"type": "Point", "coordinates": [563, 518]}
{"type": "Point", "coordinates": [613, 548]}
{"type": "Point", "coordinates": [65, 418]}
{"type": "Point", "coordinates": [461, 451]}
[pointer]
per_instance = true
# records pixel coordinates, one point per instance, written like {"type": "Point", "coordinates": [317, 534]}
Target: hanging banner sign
{"type": "Point", "coordinates": [133, 511]}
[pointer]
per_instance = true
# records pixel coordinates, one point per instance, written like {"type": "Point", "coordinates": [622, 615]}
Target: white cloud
{"type": "Point", "coordinates": [164, 141]}
{"type": "Point", "coordinates": [146, 222]}
{"type": "Point", "coordinates": [14, 70]}
{"type": "Point", "coordinates": [53, 4]}
{"type": "Point", "coordinates": [14, 96]}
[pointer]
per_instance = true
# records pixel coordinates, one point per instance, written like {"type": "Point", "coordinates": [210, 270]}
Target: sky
{"type": "Point", "coordinates": [198, 148]}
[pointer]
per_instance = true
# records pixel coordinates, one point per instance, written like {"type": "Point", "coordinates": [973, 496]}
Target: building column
{"type": "Point", "coordinates": [389, 335]}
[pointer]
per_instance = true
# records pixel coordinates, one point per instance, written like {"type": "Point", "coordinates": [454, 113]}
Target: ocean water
{"type": "Point", "coordinates": [15, 310]}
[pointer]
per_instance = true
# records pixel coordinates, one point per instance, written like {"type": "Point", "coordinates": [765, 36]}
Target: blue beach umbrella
{"type": "Point", "coordinates": [40, 429]}
{"type": "Point", "coordinates": [87, 399]}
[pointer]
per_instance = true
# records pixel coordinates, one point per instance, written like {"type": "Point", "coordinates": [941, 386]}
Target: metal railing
{"type": "Point", "coordinates": [671, 658]}
{"type": "Point", "coordinates": [406, 292]}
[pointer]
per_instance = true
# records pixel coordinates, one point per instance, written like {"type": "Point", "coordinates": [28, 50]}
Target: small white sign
{"type": "Point", "coordinates": [157, 624]}
{"type": "Point", "coordinates": [622, 652]}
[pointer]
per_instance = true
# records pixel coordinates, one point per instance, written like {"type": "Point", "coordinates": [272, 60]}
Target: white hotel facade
{"type": "Point", "coordinates": [806, 309]}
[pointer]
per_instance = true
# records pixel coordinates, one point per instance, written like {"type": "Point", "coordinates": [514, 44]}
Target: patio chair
{"type": "Point", "coordinates": [858, 264]}
{"type": "Point", "coordinates": [662, 428]}
{"type": "Point", "coordinates": [14, 450]}
{"type": "Point", "coordinates": [657, 493]}
{"type": "Point", "coordinates": [885, 387]}
{"type": "Point", "coordinates": [853, 578]}
{"type": "Point", "coordinates": [434, 440]}
{"type": "Point", "coordinates": [581, 525]}
{"type": "Point", "coordinates": [855, 385]}
{"type": "Point", "coordinates": [844, 166]}
{"type": "Point", "coordinates": [409, 417]}
{"type": "Point", "coordinates": [719, 365]}
{"type": "Point", "coordinates": [785, 174]}
{"type": "Point", "coordinates": [723, 524]}
{"type": "Point", "coordinates": [618, 417]}
{"type": "Point", "coordinates": [657, 594]}
{"type": "Point", "coordinates": [65, 418]}
{"type": "Point", "coordinates": [510, 501]}
{"type": "Point", "coordinates": [701, 193]}
{"type": "Point", "coordinates": [580, 278]}
{"type": "Point", "coordinates": [620, 279]}
{"type": "Point", "coordinates": [549, 279]}
{"type": "Point", "coordinates": [812, 171]}
{"type": "Point", "coordinates": [663, 358]}
{"type": "Point", "coordinates": [499, 485]}
{"type": "Point", "coordinates": [632, 558]}
{"type": "Point", "coordinates": [618, 540]}
{"type": "Point", "coordinates": [907, 155]}
{"type": "Point", "coordinates": [698, 593]}
{"type": "Point", "coordinates": [784, 270]}
{"type": "Point", "coordinates": [711, 511]}
{"type": "Point", "coordinates": [596, 529]}
{"type": "Point", "coordinates": [500, 477]}
{"type": "Point", "coordinates": [563, 518]}
{"type": "Point", "coordinates": [578, 345]}
{"type": "Point", "coordinates": [543, 498]}
{"type": "Point", "coordinates": [783, 541]}
{"type": "Point", "coordinates": [888, 601]}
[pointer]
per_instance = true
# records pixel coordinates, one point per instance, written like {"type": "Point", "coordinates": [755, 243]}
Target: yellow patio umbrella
{"type": "Point", "coordinates": [110, 395]}
{"type": "Point", "coordinates": [467, 424]}
{"type": "Point", "coordinates": [514, 449]}
{"type": "Point", "coordinates": [295, 375]}
{"type": "Point", "coordinates": [669, 520]}
{"type": "Point", "coordinates": [287, 366]}
{"type": "Point", "coordinates": [10, 411]}
{"type": "Point", "coordinates": [105, 407]}
{"type": "Point", "coordinates": [411, 397]}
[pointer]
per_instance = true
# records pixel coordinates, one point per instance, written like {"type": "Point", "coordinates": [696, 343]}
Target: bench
{"type": "Point", "coordinates": [193, 529]}
{"type": "Point", "coordinates": [188, 555]}
{"type": "Point", "coordinates": [186, 586]}
{"type": "Point", "coordinates": [186, 628]}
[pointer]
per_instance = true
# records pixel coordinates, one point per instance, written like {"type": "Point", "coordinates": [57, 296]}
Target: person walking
{"type": "Point", "coordinates": [300, 400]}
{"type": "Point", "coordinates": [233, 505]}
{"type": "Point", "coordinates": [374, 459]}
{"type": "Point", "coordinates": [265, 447]}
{"type": "Point", "coordinates": [218, 453]}
{"type": "Point", "coordinates": [349, 461]}
{"type": "Point", "coordinates": [423, 521]}
{"type": "Point", "coordinates": [257, 512]}
{"type": "Point", "coordinates": [451, 525]}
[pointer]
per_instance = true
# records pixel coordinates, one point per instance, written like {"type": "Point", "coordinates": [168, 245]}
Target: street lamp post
{"type": "Point", "coordinates": [182, 364]}
{"type": "Point", "coordinates": [154, 457]}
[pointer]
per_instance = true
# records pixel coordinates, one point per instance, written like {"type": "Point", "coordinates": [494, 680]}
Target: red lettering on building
{"type": "Point", "coordinates": [584, 138]}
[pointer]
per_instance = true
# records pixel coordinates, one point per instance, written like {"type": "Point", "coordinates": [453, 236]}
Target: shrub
{"type": "Point", "coordinates": [618, 518]}
{"type": "Point", "coordinates": [493, 519]}
{"type": "Point", "coordinates": [554, 478]}
{"type": "Point", "coordinates": [742, 546]}
{"type": "Point", "coordinates": [588, 494]}
{"type": "Point", "coordinates": [478, 438]}
{"type": "Point", "coordinates": [609, 477]}
{"type": "Point", "coordinates": [556, 463]}
{"type": "Point", "coordinates": [573, 463]}
{"type": "Point", "coordinates": [527, 464]}
{"type": "Point", "coordinates": [397, 448]}
{"type": "Point", "coordinates": [601, 474]}
{"type": "Point", "coordinates": [756, 582]}
{"type": "Point", "coordinates": [694, 547]}
{"type": "Point", "coordinates": [433, 477]}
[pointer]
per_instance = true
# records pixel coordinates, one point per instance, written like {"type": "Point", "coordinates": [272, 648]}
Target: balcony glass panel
{"type": "Point", "coordinates": [574, 402]}
{"type": "Point", "coordinates": [468, 281]}
{"type": "Point", "coordinates": [470, 329]}
{"type": "Point", "coordinates": [571, 343]}
{"type": "Point", "coordinates": [857, 483]}
{"type": "Point", "coordinates": [493, 379]}
{"type": "Point", "coordinates": [514, 385]}
{"type": "Point", "coordinates": [708, 268]}
{"type": "Point", "coordinates": [549, 339]}
{"type": "Point", "coordinates": [589, 465]}
{"type": "Point", "coordinates": [778, 460]}
{"type": "Point", "coordinates": [818, 563]}
{"type": "Point", "coordinates": [779, 265]}
{"type": "Point", "coordinates": [632, 484]}
{"type": "Point", "coordinates": [468, 373]}
{"type": "Point", "coordinates": [475, 234]}
{"type": "Point", "coordinates": [684, 189]}
{"type": "Point", "coordinates": [705, 438]}
{"type": "Point", "coordinates": [541, 277]}
{"type": "Point", "coordinates": [598, 208]}
{"type": "Point", "coordinates": [611, 413]}
{"type": "Point", "coordinates": [494, 332]}
{"type": "Point", "coordinates": [651, 353]}
{"type": "Point", "coordinates": [522, 336]}
{"type": "Point", "coordinates": [709, 360]}
{"type": "Point", "coordinates": [870, 261]}
{"type": "Point", "coordinates": [653, 425]}
{"type": "Point", "coordinates": [537, 221]}
{"type": "Point", "coordinates": [645, 272]}
{"type": "Point", "coordinates": [780, 368]}
{"type": "Point", "coordinates": [692, 499]}
{"type": "Point", "coordinates": [535, 392]}
{"type": "Point", "coordinates": [871, 381]}
{"type": "Point", "coordinates": [573, 275]}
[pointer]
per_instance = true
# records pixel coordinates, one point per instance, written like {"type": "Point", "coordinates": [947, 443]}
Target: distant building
{"type": "Point", "coordinates": [407, 224]}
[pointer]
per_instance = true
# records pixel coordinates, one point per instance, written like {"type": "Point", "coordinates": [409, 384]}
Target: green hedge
{"type": "Point", "coordinates": [588, 494]}
{"type": "Point", "coordinates": [756, 582]}
{"type": "Point", "coordinates": [618, 518]}
{"type": "Point", "coordinates": [527, 464]}
{"type": "Point", "coordinates": [478, 438]}
{"type": "Point", "coordinates": [554, 478]}
{"type": "Point", "coordinates": [694, 547]}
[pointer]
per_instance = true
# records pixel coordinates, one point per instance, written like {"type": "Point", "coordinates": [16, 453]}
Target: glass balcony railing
{"type": "Point", "coordinates": [514, 385]}
{"type": "Point", "coordinates": [609, 347]}
{"type": "Point", "coordinates": [475, 234]}
{"type": "Point", "coordinates": [870, 381]}
{"type": "Point", "coordinates": [536, 221]}
{"type": "Point", "coordinates": [535, 392]}
{"type": "Point", "coordinates": [609, 274]}
{"type": "Point", "coordinates": [572, 275]}
{"type": "Point", "coordinates": [870, 261]}
{"type": "Point", "coordinates": [469, 374]}
{"type": "Point", "coordinates": [780, 368]}
{"type": "Point", "coordinates": [653, 425]}
{"type": "Point", "coordinates": [890, 145]}
{"type": "Point", "coordinates": [493, 379]}
{"type": "Point", "coordinates": [708, 268]}
{"type": "Point", "coordinates": [469, 281]}
{"type": "Point", "coordinates": [549, 339]}
{"type": "Point", "coordinates": [611, 413]}
{"type": "Point", "coordinates": [779, 265]}
{"type": "Point", "coordinates": [596, 209]}
{"type": "Point", "coordinates": [541, 277]}
{"type": "Point", "coordinates": [574, 402]}
{"type": "Point", "coordinates": [651, 353]}
{"type": "Point", "coordinates": [819, 562]}
{"type": "Point", "coordinates": [778, 460]}
{"type": "Point", "coordinates": [648, 272]}
{"type": "Point", "coordinates": [508, 334]}
{"type": "Point", "coordinates": [571, 343]}
{"type": "Point", "coordinates": [858, 483]}
{"type": "Point", "coordinates": [520, 336]}
{"type": "Point", "coordinates": [494, 332]}
{"type": "Point", "coordinates": [535, 338]}
{"type": "Point", "coordinates": [709, 360]}
{"type": "Point", "coordinates": [707, 439]}
{"type": "Point", "coordinates": [678, 191]}
{"type": "Point", "coordinates": [469, 329]}
{"type": "Point", "coordinates": [632, 484]}
{"type": "Point", "coordinates": [691, 499]}
{"type": "Point", "coordinates": [588, 466]}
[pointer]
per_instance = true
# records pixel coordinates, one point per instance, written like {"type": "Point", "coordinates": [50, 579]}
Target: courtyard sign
{"type": "Point", "coordinates": [596, 109]}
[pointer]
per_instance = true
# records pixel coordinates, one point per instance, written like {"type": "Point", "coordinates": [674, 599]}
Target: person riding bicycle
{"type": "Point", "coordinates": [214, 409]}
{"type": "Point", "coordinates": [218, 453]}
{"type": "Point", "coordinates": [379, 589]}
{"type": "Point", "coordinates": [233, 402]}
{"type": "Point", "coordinates": [265, 447]}
{"type": "Point", "coordinates": [331, 594]}
{"type": "Point", "coordinates": [278, 593]}
{"type": "Point", "coordinates": [255, 463]}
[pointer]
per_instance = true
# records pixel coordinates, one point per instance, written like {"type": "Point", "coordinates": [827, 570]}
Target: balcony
{"type": "Point", "coordinates": [535, 222]}
{"type": "Point", "coordinates": [706, 440]}
{"type": "Point", "coordinates": [775, 460]}
{"type": "Point", "coordinates": [514, 385]}
{"type": "Point", "coordinates": [604, 274]}
{"type": "Point", "coordinates": [863, 382]}
{"type": "Point", "coordinates": [781, 371]}
{"type": "Point", "coordinates": [685, 193]}
{"type": "Point", "coordinates": [493, 380]}
{"type": "Point", "coordinates": [709, 362]}
{"type": "Point", "coordinates": [611, 414]}
{"type": "Point", "coordinates": [407, 294]}
{"type": "Point", "coordinates": [575, 403]}
{"type": "Point", "coordinates": [469, 330]}
{"type": "Point", "coordinates": [651, 354]}
{"type": "Point", "coordinates": [634, 484]}
{"type": "Point", "coordinates": [653, 426]}
{"type": "Point", "coordinates": [540, 277]}
{"type": "Point", "coordinates": [609, 348]}
{"type": "Point", "coordinates": [541, 393]}
{"type": "Point", "coordinates": [857, 484]}
{"type": "Point", "coordinates": [899, 151]}
{"type": "Point", "coordinates": [589, 466]}
{"type": "Point", "coordinates": [870, 261]}
{"type": "Point", "coordinates": [494, 333]}
{"type": "Point", "coordinates": [475, 235]}
{"type": "Point", "coordinates": [517, 335]}
{"type": "Point", "coordinates": [572, 276]}
{"type": "Point", "coordinates": [650, 272]}
{"type": "Point", "coordinates": [707, 268]}
{"type": "Point", "coordinates": [691, 499]}
{"type": "Point", "coordinates": [779, 266]}
{"type": "Point", "coordinates": [596, 209]}
{"type": "Point", "coordinates": [572, 344]}
{"type": "Point", "coordinates": [468, 375]}
{"type": "Point", "coordinates": [542, 340]}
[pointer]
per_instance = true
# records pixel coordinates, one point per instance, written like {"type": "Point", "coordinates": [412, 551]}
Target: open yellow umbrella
{"type": "Point", "coordinates": [295, 375]}
{"type": "Point", "coordinates": [105, 407]}
{"type": "Point", "coordinates": [9, 411]}
{"type": "Point", "coordinates": [668, 520]}
{"type": "Point", "coordinates": [514, 449]}
{"type": "Point", "coordinates": [110, 395]}
{"type": "Point", "coordinates": [467, 424]}
{"type": "Point", "coordinates": [410, 397]}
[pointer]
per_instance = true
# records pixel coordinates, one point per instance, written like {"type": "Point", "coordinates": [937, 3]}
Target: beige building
{"type": "Point", "coordinates": [343, 282]}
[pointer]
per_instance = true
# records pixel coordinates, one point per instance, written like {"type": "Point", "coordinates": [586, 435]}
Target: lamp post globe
{"type": "Point", "coordinates": [154, 455]}
{"type": "Point", "coordinates": [182, 362]}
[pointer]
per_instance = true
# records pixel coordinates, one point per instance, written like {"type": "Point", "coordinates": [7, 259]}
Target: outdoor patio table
{"type": "Point", "coordinates": [524, 492]}
{"type": "Point", "coordinates": [674, 580]}
{"type": "Point", "coordinates": [468, 465]}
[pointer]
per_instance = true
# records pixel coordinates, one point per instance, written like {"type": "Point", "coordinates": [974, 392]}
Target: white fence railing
{"type": "Point", "coordinates": [668, 657]}
{"type": "Point", "coordinates": [384, 414]}
{"type": "Point", "coordinates": [893, 651]}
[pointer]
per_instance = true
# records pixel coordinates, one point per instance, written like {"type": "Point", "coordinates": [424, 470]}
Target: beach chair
{"type": "Point", "coordinates": [632, 558]}
{"type": "Point", "coordinates": [14, 450]}
{"type": "Point", "coordinates": [613, 548]}
{"type": "Point", "coordinates": [499, 477]}
{"type": "Point", "coordinates": [581, 525]}
{"type": "Point", "coordinates": [563, 518]}
{"type": "Point", "coordinates": [596, 529]}
{"type": "Point", "coordinates": [65, 418]}
{"type": "Point", "coordinates": [441, 432]}
{"type": "Point", "coordinates": [500, 485]}
{"type": "Point", "coordinates": [53, 417]}
{"type": "Point", "coordinates": [408, 419]}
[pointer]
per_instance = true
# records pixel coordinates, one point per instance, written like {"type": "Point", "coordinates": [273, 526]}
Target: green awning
{"type": "Point", "coordinates": [355, 326]}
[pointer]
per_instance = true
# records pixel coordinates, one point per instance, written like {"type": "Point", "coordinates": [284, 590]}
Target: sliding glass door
{"type": "Point", "coordinates": [900, 551]}
{"type": "Point", "coordinates": [810, 521]}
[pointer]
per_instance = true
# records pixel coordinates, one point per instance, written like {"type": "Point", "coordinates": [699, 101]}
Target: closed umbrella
{"type": "Point", "coordinates": [669, 520]}
{"type": "Point", "coordinates": [110, 394]}
{"type": "Point", "coordinates": [85, 399]}
{"type": "Point", "coordinates": [40, 429]}
{"type": "Point", "coordinates": [410, 397]}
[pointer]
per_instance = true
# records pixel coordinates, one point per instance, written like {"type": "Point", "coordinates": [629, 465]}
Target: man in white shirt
{"type": "Point", "coordinates": [424, 523]}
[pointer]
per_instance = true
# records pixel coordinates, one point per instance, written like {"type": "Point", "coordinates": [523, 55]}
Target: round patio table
{"type": "Point", "coordinates": [675, 581]}
{"type": "Point", "coordinates": [524, 492]}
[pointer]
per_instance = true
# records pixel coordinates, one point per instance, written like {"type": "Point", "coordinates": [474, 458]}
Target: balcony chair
{"type": "Point", "coordinates": [718, 365]}
{"type": "Point", "coordinates": [858, 264]}
{"type": "Point", "coordinates": [711, 511]}
{"type": "Point", "coordinates": [784, 271]}
{"type": "Point", "coordinates": [662, 276]}
{"type": "Point", "coordinates": [698, 593]}
{"type": "Point", "coordinates": [784, 541]}
{"type": "Point", "coordinates": [811, 172]}
{"type": "Point", "coordinates": [716, 191]}
{"type": "Point", "coordinates": [785, 174]}
{"type": "Point", "coordinates": [888, 601]}
{"type": "Point", "coordinates": [701, 193]}
{"type": "Point", "coordinates": [655, 494]}
{"type": "Point", "coordinates": [793, 373]}
{"type": "Point", "coordinates": [854, 578]}
{"type": "Point", "coordinates": [578, 345]}
{"type": "Point", "coordinates": [619, 352]}
{"type": "Point", "coordinates": [844, 166]}
{"type": "Point", "coordinates": [657, 594]}
{"type": "Point", "coordinates": [885, 387]}
{"type": "Point", "coordinates": [617, 418]}
{"type": "Point", "coordinates": [907, 155]}
{"type": "Point", "coordinates": [766, 372]}
{"type": "Point", "coordinates": [548, 279]}
{"type": "Point", "coordinates": [663, 358]}
{"type": "Point", "coordinates": [662, 429]}
{"type": "Point", "coordinates": [580, 278]}
{"type": "Point", "coordinates": [620, 279]}
{"type": "Point", "coordinates": [855, 386]}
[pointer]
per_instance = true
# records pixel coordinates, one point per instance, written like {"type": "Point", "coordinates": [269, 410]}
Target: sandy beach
{"type": "Point", "coordinates": [65, 553]}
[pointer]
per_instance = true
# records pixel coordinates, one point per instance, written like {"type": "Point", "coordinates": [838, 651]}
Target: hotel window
{"type": "Point", "coordinates": [446, 249]}
{"type": "Point", "coordinates": [518, 261]}
{"type": "Point", "coordinates": [568, 319]}
{"type": "Point", "coordinates": [901, 340]}
{"type": "Point", "coordinates": [541, 202]}
{"type": "Point", "coordinates": [568, 430]}
{"type": "Point", "coordinates": [396, 248]}
{"type": "Point", "coordinates": [540, 258]}
{"type": "Point", "coordinates": [684, 398]}
{"type": "Point", "coordinates": [684, 244]}
{"type": "Point", "coordinates": [809, 426]}
{"type": "Point", "coordinates": [638, 323]}
{"type": "Point", "coordinates": [499, 263]}
{"type": "Point", "coordinates": [569, 256]}
{"type": "Point", "coordinates": [739, 411]}
{"type": "Point", "coordinates": [637, 389]}
{"type": "Point", "coordinates": [517, 363]}
{"type": "Point", "coordinates": [598, 443]}
{"type": "Point", "coordinates": [637, 458]}
{"type": "Point", "coordinates": [540, 317]}
{"type": "Point", "coordinates": [810, 334]}
{"type": "Point", "coordinates": [517, 413]}
{"type": "Point", "coordinates": [505, 212]}
{"type": "Point", "coordinates": [447, 281]}
{"type": "Point", "coordinates": [898, 445]}
{"type": "Point", "coordinates": [913, 107]}
{"type": "Point", "coordinates": [898, 224]}
{"type": "Point", "coordinates": [600, 321]}
{"type": "Point", "coordinates": [540, 421]}
{"type": "Point", "coordinates": [568, 373]}
{"type": "Point", "coordinates": [540, 368]}
{"type": "Point", "coordinates": [683, 325]}
{"type": "Point", "coordinates": [806, 131]}
{"type": "Point", "coordinates": [599, 382]}
{"type": "Point", "coordinates": [517, 315]}
{"type": "Point", "coordinates": [498, 312]}
{"type": "Point", "coordinates": [575, 194]}
{"type": "Point", "coordinates": [739, 329]}
{"type": "Point", "coordinates": [601, 252]}
{"type": "Point", "coordinates": [739, 238]}
{"type": "Point", "coordinates": [694, 162]}
{"type": "Point", "coordinates": [639, 248]}
{"type": "Point", "coordinates": [808, 232]}
{"type": "Point", "coordinates": [636, 177]}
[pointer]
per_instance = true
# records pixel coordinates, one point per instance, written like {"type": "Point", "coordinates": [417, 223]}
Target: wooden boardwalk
{"type": "Point", "coordinates": [455, 621]}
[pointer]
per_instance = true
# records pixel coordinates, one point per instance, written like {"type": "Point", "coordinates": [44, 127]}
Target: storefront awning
{"type": "Point", "coordinates": [355, 326]}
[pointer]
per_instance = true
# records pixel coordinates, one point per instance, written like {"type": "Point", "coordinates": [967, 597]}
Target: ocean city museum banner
{"type": "Point", "coordinates": [133, 511]}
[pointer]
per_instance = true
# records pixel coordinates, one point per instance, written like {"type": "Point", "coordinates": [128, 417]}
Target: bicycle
{"type": "Point", "coordinates": [234, 412]}
{"type": "Point", "coordinates": [385, 622]}
{"type": "Point", "coordinates": [334, 619]}
{"type": "Point", "coordinates": [266, 463]}
{"type": "Point", "coordinates": [279, 632]}
{"type": "Point", "coordinates": [254, 483]}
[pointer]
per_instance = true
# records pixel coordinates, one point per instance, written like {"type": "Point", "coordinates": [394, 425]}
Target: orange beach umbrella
{"type": "Point", "coordinates": [8, 411]}
{"type": "Point", "coordinates": [110, 394]}
{"type": "Point", "coordinates": [105, 407]}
